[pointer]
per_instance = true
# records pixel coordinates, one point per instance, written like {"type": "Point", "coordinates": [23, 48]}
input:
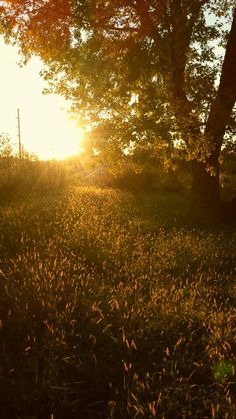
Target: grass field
{"type": "Point", "coordinates": [111, 308]}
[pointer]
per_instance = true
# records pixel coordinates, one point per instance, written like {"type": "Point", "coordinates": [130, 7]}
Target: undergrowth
{"type": "Point", "coordinates": [110, 309]}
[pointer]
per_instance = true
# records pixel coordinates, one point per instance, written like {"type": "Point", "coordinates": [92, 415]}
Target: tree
{"type": "Point", "coordinates": [142, 74]}
{"type": "Point", "coordinates": [6, 159]}
{"type": "Point", "coordinates": [5, 146]}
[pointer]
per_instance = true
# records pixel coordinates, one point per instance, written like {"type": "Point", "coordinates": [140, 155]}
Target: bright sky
{"type": "Point", "coordinates": [45, 125]}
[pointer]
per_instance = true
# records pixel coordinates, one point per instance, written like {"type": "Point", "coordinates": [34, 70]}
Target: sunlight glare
{"type": "Point", "coordinates": [46, 129]}
{"type": "Point", "coordinates": [65, 141]}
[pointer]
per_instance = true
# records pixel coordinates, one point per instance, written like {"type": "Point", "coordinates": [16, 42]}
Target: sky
{"type": "Point", "coordinates": [46, 127]}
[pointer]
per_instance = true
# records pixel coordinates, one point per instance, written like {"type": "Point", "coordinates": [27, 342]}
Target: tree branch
{"type": "Point", "coordinates": [226, 95]}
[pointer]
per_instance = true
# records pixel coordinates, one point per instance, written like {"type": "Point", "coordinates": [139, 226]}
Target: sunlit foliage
{"type": "Point", "coordinates": [137, 72]}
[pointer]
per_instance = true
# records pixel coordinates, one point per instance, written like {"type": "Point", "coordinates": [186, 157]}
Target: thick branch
{"type": "Point", "coordinates": [226, 95]}
{"type": "Point", "coordinates": [180, 41]}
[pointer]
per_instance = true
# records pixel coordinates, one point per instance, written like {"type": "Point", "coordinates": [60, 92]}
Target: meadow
{"type": "Point", "coordinates": [111, 306]}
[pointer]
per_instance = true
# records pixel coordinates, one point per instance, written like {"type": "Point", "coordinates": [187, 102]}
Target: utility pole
{"type": "Point", "coordinates": [19, 135]}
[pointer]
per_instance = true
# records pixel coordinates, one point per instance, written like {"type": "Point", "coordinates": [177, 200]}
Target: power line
{"type": "Point", "coordinates": [19, 135]}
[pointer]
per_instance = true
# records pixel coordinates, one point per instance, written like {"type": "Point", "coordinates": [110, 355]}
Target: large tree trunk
{"type": "Point", "coordinates": [206, 186]}
{"type": "Point", "coordinates": [206, 205]}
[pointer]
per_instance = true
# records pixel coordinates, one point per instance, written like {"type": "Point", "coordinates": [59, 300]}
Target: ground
{"type": "Point", "coordinates": [111, 306]}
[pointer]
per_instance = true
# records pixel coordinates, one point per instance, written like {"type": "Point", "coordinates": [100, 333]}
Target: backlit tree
{"type": "Point", "coordinates": [141, 74]}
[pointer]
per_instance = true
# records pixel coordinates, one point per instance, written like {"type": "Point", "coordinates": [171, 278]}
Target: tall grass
{"type": "Point", "coordinates": [18, 180]}
{"type": "Point", "coordinates": [110, 309]}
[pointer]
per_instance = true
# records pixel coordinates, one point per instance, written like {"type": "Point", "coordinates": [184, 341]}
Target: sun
{"type": "Point", "coordinates": [46, 128]}
{"type": "Point", "coordinates": [62, 138]}
{"type": "Point", "coordinates": [65, 146]}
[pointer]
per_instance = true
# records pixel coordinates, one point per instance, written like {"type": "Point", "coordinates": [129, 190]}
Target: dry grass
{"type": "Point", "coordinates": [110, 309]}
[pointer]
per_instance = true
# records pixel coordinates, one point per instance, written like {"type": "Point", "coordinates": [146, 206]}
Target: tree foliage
{"type": "Point", "coordinates": [5, 146]}
{"type": "Point", "coordinates": [121, 62]}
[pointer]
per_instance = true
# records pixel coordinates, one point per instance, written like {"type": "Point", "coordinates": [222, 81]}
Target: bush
{"type": "Point", "coordinates": [17, 180]}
